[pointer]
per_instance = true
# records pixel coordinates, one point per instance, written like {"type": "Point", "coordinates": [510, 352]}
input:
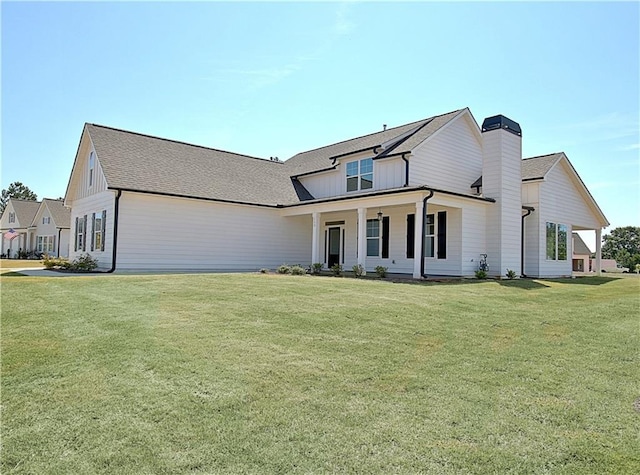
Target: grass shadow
{"type": "Point", "coordinates": [524, 284]}
{"type": "Point", "coordinates": [12, 274]}
{"type": "Point", "coordinates": [587, 280]}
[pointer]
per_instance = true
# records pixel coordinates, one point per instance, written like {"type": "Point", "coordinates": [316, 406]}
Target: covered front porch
{"type": "Point", "coordinates": [390, 229]}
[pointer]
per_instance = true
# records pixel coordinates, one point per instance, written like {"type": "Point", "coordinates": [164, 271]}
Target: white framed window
{"type": "Point", "coordinates": [557, 235]}
{"type": "Point", "coordinates": [97, 232]}
{"type": "Point", "coordinates": [46, 220]}
{"type": "Point", "coordinates": [435, 235]}
{"type": "Point", "coordinates": [45, 243]}
{"type": "Point", "coordinates": [360, 175]}
{"type": "Point", "coordinates": [92, 163]}
{"type": "Point", "coordinates": [373, 238]}
{"type": "Point", "coordinates": [12, 217]}
{"type": "Point", "coordinates": [429, 236]}
{"type": "Point", "coordinates": [80, 233]}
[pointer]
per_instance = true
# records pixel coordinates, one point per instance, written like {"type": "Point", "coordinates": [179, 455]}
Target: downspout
{"type": "Point", "coordinates": [424, 223]}
{"type": "Point", "coordinates": [406, 169]}
{"type": "Point", "coordinates": [529, 211]}
{"type": "Point", "coordinates": [115, 232]}
{"type": "Point", "coordinates": [59, 233]}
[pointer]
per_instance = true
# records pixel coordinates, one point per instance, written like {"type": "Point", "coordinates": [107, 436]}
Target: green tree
{"type": "Point", "coordinates": [16, 190]}
{"type": "Point", "coordinates": [623, 245]}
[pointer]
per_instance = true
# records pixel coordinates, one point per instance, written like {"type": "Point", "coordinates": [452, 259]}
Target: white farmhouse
{"type": "Point", "coordinates": [425, 198]}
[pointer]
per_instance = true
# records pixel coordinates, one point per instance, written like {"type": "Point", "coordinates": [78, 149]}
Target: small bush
{"type": "Point", "coordinates": [381, 271]}
{"type": "Point", "coordinates": [284, 269]}
{"type": "Point", "coordinates": [84, 263]}
{"type": "Point", "coordinates": [55, 262]}
{"type": "Point", "coordinates": [298, 270]}
{"type": "Point", "coordinates": [358, 270]}
{"type": "Point", "coordinates": [336, 269]}
{"type": "Point", "coordinates": [511, 274]}
{"type": "Point", "coordinates": [316, 267]}
{"type": "Point", "coordinates": [481, 274]}
{"type": "Point", "coordinates": [264, 270]}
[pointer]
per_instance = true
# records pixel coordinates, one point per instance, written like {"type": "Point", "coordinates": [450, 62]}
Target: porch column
{"type": "Point", "coordinates": [362, 237]}
{"type": "Point", "coordinates": [315, 238]}
{"type": "Point", "coordinates": [417, 240]}
{"type": "Point", "coordinates": [598, 251]}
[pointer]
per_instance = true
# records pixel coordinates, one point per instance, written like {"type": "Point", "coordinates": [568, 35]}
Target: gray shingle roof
{"type": "Point", "coordinates": [533, 168]}
{"type": "Point", "coordinates": [537, 167]}
{"type": "Point", "coordinates": [25, 211]}
{"type": "Point", "coordinates": [133, 161]}
{"type": "Point", "coordinates": [320, 158]}
{"type": "Point", "coordinates": [579, 246]}
{"type": "Point", "coordinates": [61, 215]}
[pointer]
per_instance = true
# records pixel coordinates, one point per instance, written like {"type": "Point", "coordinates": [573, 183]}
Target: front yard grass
{"type": "Point", "coordinates": [282, 374]}
{"type": "Point", "coordinates": [9, 264]}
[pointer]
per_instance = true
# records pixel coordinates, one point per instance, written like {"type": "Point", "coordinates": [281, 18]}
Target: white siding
{"type": "Point", "coordinates": [48, 229]}
{"type": "Point", "coordinates": [80, 178]}
{"type": "Point", "coordinates": [502, 180]}
{"type": "Point", "coordinates": [388, 173]}
{"type": "Point", "coordinates": [85, 207]}
{"type": "Point", "coordinates": [473, 219]}
{"type": "Point", "coordinates": [325, 184]}
{"type": "Point", "coordinates": [450, 160]}
{"type": "Point", "coordinates": [166, 233]}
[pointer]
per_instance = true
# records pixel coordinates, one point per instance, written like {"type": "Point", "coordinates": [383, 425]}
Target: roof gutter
{"type": "Point", "coordinates": [59, 234]}
{"type": "Point", "coordinates": [116, 208]}
{"type": "Point", "coordinates": [530, 210]}
{"type": "Point", "coordinates": [424, 222]}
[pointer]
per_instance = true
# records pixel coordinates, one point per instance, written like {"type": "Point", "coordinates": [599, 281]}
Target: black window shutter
{"type": "Point", "coordinates": [442, 234]}
{"type": "Point", "coordinates": [411, 234]}
{"type": "Point", "coordinates": [104, 228]}
{"type": "Point", "coordinates": [75, 240]}
{"type": "Point", "coordinates": [385, 237]}
{"type": "Point", "coordinates": [84, 241]}
{"type": "Point", "coordinates": [93, 229]}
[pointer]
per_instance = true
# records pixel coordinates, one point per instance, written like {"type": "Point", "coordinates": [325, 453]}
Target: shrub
{"type": "Point", "coordinates": [336, 269]}
{"type": "Point", "coordinates": [481, 274]}
{"type": "Point", "coordinates": [316, 267]}
{"type": "Point", "coordinates": [298, 270]}
{"type": "Point", "coordinates": [511, 274]}
{"type": "Point", "coordinates": [84, 263]}
{"type": "Point", "coordinates": [381, 271]}
{"type": "Point", "coordinates": [55, 262]}
{"type": "Point", "coordinates": [284, 269]}
{"type": "Point", "coordinates": [358, 270]}
{"type": "Point", "coordinates": [264, 270]}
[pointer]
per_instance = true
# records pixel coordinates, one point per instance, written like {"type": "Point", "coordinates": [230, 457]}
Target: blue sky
{"type": "Point", "coordinates": [273, 79]}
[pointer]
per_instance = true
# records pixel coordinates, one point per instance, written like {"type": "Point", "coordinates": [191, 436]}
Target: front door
{"type": "Point", "coordinates": [333, 252]}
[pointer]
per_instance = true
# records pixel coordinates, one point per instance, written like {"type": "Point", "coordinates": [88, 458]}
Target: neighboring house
{"type": "Point", "coordinates": [39, 226]}
{"type": "Point", "coordinates": [581, 255]}
{"type": "Point", "coordinates": [425, 198]}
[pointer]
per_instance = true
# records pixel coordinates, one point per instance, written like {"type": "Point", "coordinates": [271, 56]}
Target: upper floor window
{"type": "Point", "coordinates": [46, 220]}
{"type": "Point", "coordinates": [92, 162]}
{"type": "Point", "coordinates": [360, 175]}
{"type": "Point", "coordinates": [12, 217]}
{"type": "Point", "coordinates": [557, 242]}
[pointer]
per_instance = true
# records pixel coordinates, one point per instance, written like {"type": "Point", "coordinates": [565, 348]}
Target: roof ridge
{"type": "Point", "coordinates": [542, 156]}
{"type": "Point", "coordinates": [22, 199]}
{"type": "Point", "coordinates": [140, 134]}
{"type": "Point", "coordinates": [380, 131]}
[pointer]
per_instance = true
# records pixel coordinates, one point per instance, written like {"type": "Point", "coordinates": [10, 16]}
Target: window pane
{"type": "Point", "coordinates": [373, 228]}
{"type": "Point", "coordinates": [551, 241]}
{"type": "Point", "coordinates": [373, 245]}
{"type": "Point", "coordinates": [562, 242]}
{"type": "Point", "coordinates": [352, 183]}
{"type": "Point", "coordinates": [366, 182]}
{"type": "Point", "coordinates": [428, 246]}
{"type": "Point", "coordinates": [352, 168]}
{"type": "Point", "coordinates": [366, 166]}
{"type": "Point", "coordinates": [430, 227]}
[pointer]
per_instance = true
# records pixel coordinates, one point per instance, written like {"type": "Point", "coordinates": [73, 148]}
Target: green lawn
{"type": "Point", "coordinates": [19, 263]}
{"type": "Point", "coordinates": [280, 374]}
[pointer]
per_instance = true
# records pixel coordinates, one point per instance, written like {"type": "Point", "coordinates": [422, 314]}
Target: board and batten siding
{"type": "Point", "coordinates": [450, 160]}
{"type": "Point", "coordinates": [532, 244]}
{"type": "Point", "coordinates": [80, 181]}
{"type": "Point", "coordinates": [167, 233]}
{"type": "Point", "coordinates": [387, 173]}
{"type": "Point", "coordinates": [94, 203]}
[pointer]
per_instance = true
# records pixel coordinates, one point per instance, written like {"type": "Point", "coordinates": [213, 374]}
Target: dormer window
{"type": "Point", "coordinates": [46, 220]}
{"type": "Point", "coordinates": [360, 175]}
{"type": "Point", "coordinates": [92, 161]}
